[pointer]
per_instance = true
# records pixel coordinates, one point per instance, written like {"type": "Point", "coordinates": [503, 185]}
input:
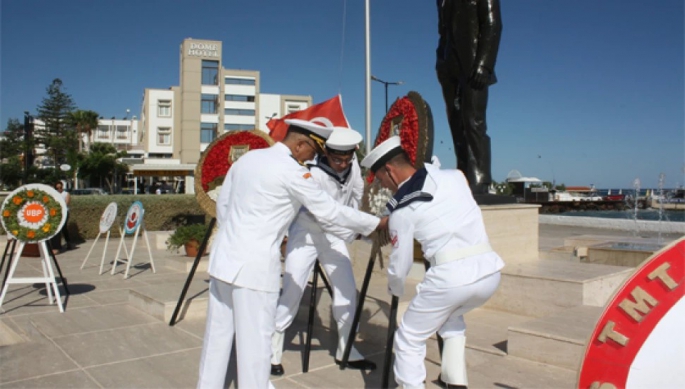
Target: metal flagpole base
{"type": "Point", "coordinates": [201, 250]}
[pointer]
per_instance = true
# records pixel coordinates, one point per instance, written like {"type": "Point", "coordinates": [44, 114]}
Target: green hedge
{"type": "Point", "coordinates": [162, 213]}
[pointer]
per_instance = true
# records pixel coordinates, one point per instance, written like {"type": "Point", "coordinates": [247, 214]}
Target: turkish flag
{"type": "Point", "coordinates": [328, 113]}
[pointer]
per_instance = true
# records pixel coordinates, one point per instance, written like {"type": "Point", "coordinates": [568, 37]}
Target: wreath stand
{"type": "Point", "coordinates": [46, 258]}
{"type": "Point", "coordinates": [104, 250]}
{"type": "Point", "coordinates": [392, 325]}
{"type": "Point", "coordinates": [129, 258]}
{"type": "Point", "coordinates": [318, 271]}
{"type": "Point", "coordinates": [312, 301]}
{"type": "Point", "coordinates": [198, 256]}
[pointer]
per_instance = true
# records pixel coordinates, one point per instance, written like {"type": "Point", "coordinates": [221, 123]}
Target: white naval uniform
{"type": "Point", "coordinates": [260, 197]}
{"type": "Point", "coordinates": [447, 226]}
{"type": "Point", "coordinates": [307, 241]}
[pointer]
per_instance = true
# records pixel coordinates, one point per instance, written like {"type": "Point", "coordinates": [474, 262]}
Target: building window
{"type": "Point", "coordinates": [122, 132]}
{"type": "Point", "coordinates": [164, 136]}
{"type": "Point", "coordinates": [293, 108]}
{"type": "Point", "coordinates": [239, 81]}
{"type": "Point", "coordinates": [103, 132]}
{"type": "Point", "coordinates": [210, 72]}
{"type": "Point", "coordinates": [238, 98]}
{"type": "Point", "coordinates": [209, 103]}
{"type": "Point", "coordinates": [238, 127]}
{"type": "Point", "coordinates": [239, 112]}
{"type": "Point", "coordinates": [207, 132]}
{"type": "Point", "coordinates": [164, 108]}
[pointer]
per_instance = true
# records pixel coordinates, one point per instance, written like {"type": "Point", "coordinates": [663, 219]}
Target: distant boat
{"type": "Point", "coordinates": [674, 199]}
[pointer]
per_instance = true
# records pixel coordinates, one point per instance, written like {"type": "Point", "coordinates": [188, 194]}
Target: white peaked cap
{"type": "Point", "coordinates": [382, 153]}
{"type": "Point", "coordinates": [315, 131]}
{"type": "Point", "coordinates": [343, 139]}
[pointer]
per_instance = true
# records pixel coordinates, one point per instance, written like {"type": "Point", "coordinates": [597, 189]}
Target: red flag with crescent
{"type": "Point", "coordinates": [329, 113]}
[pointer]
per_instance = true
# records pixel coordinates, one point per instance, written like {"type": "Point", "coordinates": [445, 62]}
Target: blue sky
{"type": "Point", "coordinates": [589, 92]}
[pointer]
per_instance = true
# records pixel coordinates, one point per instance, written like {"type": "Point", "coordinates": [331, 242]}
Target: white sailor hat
{"type": "Point", "coordinates": [316, 132]}
{"type": "Point", "coordinates": [382, 153]}
{"type": "Point", "coordinates": [343, 139]}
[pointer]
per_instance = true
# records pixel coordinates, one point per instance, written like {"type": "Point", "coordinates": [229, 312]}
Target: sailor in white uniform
{"type": "Point", "coordinates": [260, 196]}
{"type": "Point", "coordinates": [338, 173]}
{"type": "Point", "coordinates": [436, 208]}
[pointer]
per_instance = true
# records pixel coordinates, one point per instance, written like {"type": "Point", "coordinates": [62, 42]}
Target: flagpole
{"type": "Point", "coordinates": [367, 79]}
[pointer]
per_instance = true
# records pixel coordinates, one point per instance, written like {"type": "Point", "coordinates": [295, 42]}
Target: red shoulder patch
{"type": "Point", "coordinates": [307, 175]}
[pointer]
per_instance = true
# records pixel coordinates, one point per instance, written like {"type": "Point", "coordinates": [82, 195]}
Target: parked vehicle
{"type": "Point", "coordinates": [88, 191]}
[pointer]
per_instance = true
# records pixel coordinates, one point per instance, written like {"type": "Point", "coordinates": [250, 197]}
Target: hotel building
{"type": "Point", "coordinates": [178, 123]}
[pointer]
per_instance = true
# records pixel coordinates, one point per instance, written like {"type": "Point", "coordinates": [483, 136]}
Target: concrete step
{"type": "Point", "coordinates": [544, 287]}
{"type": "Point", "coordinates": [487, 329]}
{"type": "Point", "coordinates": [160, 300]}
{"type": "Point", "coordinates": [564, 253]}
{"type": "Point", "coordinates": [185, 264]}
{"type": "Point", "coordinates": [558, 339]}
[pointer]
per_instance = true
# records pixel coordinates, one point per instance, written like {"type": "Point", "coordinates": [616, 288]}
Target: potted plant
{"type": "Point", "coordinates": [188, 236]}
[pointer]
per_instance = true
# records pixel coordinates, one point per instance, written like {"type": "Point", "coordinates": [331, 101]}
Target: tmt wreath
{"type": "Point", "coordinates": [33, 213]}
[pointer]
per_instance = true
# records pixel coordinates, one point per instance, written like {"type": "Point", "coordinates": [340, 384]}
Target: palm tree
{"type": "Point", "coordinates": [84, 121]}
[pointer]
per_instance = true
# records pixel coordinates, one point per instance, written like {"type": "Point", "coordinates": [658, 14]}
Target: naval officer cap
{"type": "Point", "coordinates": [382, 153]}
{"type": "Point", "coordinates": [343, 140]}
{"type": "Point", "coordinates": [314, 131]}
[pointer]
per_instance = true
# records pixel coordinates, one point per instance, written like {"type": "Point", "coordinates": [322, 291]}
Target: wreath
{"type": "Point", "coordinates": [409, 117]}
{"type": "Point", "coordinates": [217, 160]}
{"type": "Point", "coordinates": [31, 214]}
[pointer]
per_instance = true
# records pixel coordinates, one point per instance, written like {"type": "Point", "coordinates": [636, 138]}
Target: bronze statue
{"type": "Point", "coordinates": [469, 38]}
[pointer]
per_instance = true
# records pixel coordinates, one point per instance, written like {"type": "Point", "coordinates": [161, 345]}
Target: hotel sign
{"type": "Point", "coordinates": [204, 50]}
{"type": "Point", "coordinates": [639, 341]}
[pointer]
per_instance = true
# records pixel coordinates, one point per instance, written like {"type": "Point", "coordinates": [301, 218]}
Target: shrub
{"type": "Point", "coordinates": [186, 234]}
{"type": "Point", "coordinates": [162, 213]}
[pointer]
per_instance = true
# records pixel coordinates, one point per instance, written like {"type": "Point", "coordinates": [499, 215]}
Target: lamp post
{"type": "Point", "coordinates": [386, 83]}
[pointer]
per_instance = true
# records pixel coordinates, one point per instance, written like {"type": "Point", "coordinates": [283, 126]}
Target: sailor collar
{"type": "Point", "coordinates": [410, 191]}
{"type": "Point", "coordinates": [341, 178]}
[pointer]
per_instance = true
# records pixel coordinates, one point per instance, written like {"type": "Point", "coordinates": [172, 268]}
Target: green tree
{"type": "Point", "coordinates": [58, 138]}
{"type": "Point", "coordinates": [84, 122]}
{"type": "Point", "coordinates": [13, 147]}
{"type": "Point", "coordinates": [12, 143]}
{"type": "Point", "coordinates": [101, 164]}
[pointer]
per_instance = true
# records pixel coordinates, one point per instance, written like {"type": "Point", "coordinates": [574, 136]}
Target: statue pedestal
{"type": "Point", "coordinates": [513, 230]}
{"type": "Point", "coordinates": [491, 199]}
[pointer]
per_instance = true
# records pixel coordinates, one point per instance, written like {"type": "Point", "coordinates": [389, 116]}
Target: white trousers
{"type": "Point", "coordinates": [432, 310]}
{"type": "Point", "coordinates": [249, 316]}
{"type": "Point", "coordinates": [301, 253]}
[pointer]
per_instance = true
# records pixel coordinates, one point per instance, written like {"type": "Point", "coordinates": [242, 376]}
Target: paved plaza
{"type": "Point", "coordinates": [102, 340]}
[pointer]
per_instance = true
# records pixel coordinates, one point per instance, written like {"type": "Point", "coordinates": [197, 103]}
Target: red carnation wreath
{"type": "Point", "coordinates": [217, 160]}
{"type": "Point", "coordinates": [410, 118]}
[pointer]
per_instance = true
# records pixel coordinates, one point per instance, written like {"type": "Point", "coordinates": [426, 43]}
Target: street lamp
{"type": "Point", "coordinates": [386, 83]}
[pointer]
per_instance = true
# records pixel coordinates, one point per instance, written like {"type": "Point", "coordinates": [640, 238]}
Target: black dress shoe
{"type": "Point", "coordinates": [362, 364]}
{"type": "Point", "coordinates": [277, 369]}
{"type": "Point", "coordinates": [444, 384]}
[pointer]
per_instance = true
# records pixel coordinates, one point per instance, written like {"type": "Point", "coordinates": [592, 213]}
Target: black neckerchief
{"type": "Point", "coordinates": [341, 178]}
{"type": "Point", "coordinates": [410, 192]}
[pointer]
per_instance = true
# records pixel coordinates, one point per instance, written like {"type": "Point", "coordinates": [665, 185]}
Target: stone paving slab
{"type": "Point", "coordinates": [102, 341]}
{"type": "Point", "coordinates": [117, 345]}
